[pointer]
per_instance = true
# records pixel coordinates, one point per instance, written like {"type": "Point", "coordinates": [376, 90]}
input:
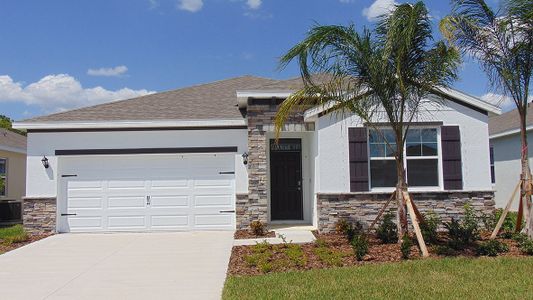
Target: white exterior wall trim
{"type": "Point", "coordinates": [129, 124]}
{"type": "Point", "coordinates": [509, 132]}
{"type": "Point", "coordinates": [13, 149]}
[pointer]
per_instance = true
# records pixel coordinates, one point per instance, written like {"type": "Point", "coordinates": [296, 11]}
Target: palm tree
{"type": "Point", "coordinates": [383, 74]}
{"type": "Point", "coordinates": [503, 44]}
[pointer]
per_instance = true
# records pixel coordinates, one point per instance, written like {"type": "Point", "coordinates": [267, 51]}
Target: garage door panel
{"type": "Point", "coordinates": [126, 184]}
{"type": "Point", "coordinates": [169, 201]}
{"type": "Point", "coordinates": [169, 184]}
{"type": "Point", "coordinates": [170, 221]}
{"type": "Point", "coordinates": [213, 200]}
{"type": "Point", "coordinates": [85, 202]}
{"type": "Point", "coordinates": [134, 221]}
{"type": "Point", "coordinates": [79, 223]}
{"type": "Point", "coordinates": [213, 220]}
{"type": "Point", "coordinates": [126, 202]}
{"type": "Point", "coordinates": [212, 183]}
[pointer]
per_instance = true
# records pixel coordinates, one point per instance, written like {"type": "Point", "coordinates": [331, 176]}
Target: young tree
{"type": "Point", "coordinates": [383, 74]}
{"type": "Point", "coordinates": [502, 42]}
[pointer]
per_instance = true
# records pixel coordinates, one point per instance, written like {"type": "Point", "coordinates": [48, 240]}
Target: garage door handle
{"type": "Point", "coordinates": [227, 211]}
{"type": "Point", "coordinates": [68, 215]}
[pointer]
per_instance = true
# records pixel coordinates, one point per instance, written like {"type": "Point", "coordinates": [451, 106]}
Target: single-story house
{"type": "Point", "coordinates": [12, 175]}
{"type": "Point", "coordinates": [205, 158]}
{"type": "Point", "coordinates": [505, 149]}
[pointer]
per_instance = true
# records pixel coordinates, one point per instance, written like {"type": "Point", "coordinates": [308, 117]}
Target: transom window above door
{"type": "Point", "coordinates": [421, 157]}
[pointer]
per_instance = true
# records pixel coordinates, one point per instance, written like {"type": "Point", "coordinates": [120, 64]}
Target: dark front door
{"type": "Point", "coordinates": [286, 201]}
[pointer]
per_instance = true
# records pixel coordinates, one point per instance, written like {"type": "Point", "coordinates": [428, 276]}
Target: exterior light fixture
{"type": "Point", "coordinates": [46, 165]}
{"type": "Point", "coordinates": [245, 158]}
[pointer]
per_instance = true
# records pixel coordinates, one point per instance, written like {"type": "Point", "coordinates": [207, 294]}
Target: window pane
{"type": "Point", "coordinates": [422, 172]}
{"type": "Point", "coordinates": [429, 149]}
{"type": "Point", "coordinates": [389, 135]}
{"type": "Point", "coordinates": [429, 135]}
{"type": "Point", "coordinates": [383, 173]}
{"type": "Point", "coordinates": [377, 150]}
{"type": "Point", "coordinates": [374, 136]}
{"type": "Point", "coordinates": [2, 166]}
{"type": "Point", "coordinates": [391, 149]}
{"type": "Point", "coordinates": [413, 149]}
{"type": "Point", "coordinates": [413, 136]}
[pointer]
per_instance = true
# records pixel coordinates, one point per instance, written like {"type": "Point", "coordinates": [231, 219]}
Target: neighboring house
{"type": "Point", "coordinates": [506, 148]}
{"type": "Point", "coordinates": [12, 175]}
{"type": "Point", "coordinates": [205, 158]}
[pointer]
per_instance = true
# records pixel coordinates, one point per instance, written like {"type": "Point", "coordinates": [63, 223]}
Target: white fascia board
{"type": "Point", "coordinates": [310, 114]}
{"type": "Point", "coordinates": [129, 124]}
{"type": "Point", "coordinates": [243, 95]}
{"type": "Point", "coordinates": [509, 132]}
{"type": "Point", "coordinates": [12, 149]}
{"type": "Point", "coordinates": [470, 100]}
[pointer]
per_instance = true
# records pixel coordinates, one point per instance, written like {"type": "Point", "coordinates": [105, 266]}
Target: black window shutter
{"type": "Point", "coordinates": [451, 158]}
{"type": "Point", "coordinates": [358, 153]}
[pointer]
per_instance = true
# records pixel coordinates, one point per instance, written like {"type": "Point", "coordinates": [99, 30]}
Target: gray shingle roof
{"type": "Point", "coordinates": [509, 121]}
{"type": "Point", "coordinates": [214, 100]}
{"type": "Point", "coordinates": [10, 139]}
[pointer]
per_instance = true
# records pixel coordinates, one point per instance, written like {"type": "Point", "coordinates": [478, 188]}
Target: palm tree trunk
{"type": "Point", "coordinates": [525, 193]}
{"type": "Point", "coordinates": [401, 186]}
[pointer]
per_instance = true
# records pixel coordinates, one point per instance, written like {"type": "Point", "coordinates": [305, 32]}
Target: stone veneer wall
{"type": "Point", "coordinates": [364, 207]}
{"type": "Point", "coordinates": [260, 115]}
{"type": "Point", "coordinates": [39, 214]}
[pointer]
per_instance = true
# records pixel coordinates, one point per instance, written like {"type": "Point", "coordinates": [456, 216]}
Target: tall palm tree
{"type": "Point", "coordinates": [503, 44]}
{"type": "Point", "coordinates": [380, 74]}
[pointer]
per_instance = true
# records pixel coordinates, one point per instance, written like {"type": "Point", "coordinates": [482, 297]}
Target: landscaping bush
{"type": "Point", "coordinates": [430, 226]}
{"type": "Point", "coordinates": [445, 250]}
{"type": "Point", "coordinates": [508, 225]}
{"type": "Point", "coordinates": [13, 234]}
{"type": "Point", "coordinates": [387, 231]}
{"type": "Point", "coordinates": [463, 233]}
{"type": "Point", "coordinates": [520, 238]}
{"type": "Point", "coordinates": [405, 247]}
{"type": "Point", "coordinates": [349, 229]}
{"type": "Point", "coordinates": [360, 246]}
{"type": "Point", "coordinates": [527, 247]}
{"type": "Point", "coordinates": [342, 226]}
{"type": "Point", "coordinates": [258, 228]}
{"type": "Point", "coordinates": [491, 248]}
{"type": "Point", "coordinates": [329, 256]}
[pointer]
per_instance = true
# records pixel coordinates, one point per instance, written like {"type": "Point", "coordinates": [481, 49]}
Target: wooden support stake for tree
{"type": "Point", "coordinates": [418, 233]}
{"type": "Point", "coordinates": [505, 211]}
{"type": "Point", "coordinates": [419, 216]}
{"type": "Point", "coordinates": [381, 211]}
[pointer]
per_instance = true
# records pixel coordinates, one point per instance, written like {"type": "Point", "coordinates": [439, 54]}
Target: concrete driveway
{"type": "Point", "coordinates": [188, 265]}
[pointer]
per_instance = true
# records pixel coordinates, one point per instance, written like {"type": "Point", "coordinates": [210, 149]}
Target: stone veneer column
{"type": "Point", "coordinates": [39, 214]}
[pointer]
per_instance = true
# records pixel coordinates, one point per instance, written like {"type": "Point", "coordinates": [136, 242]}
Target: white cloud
{"type": "Point", "coordinates": [60, 92]}
{"type": "Point", "coordinates": [346, 1]}
{"type": "Point", "coordinates": [504, 102]}
{"type": "Point", "coordinates": [378, 8]}
{"type": "Point", "coordinates": [108, 72]}
{"type": "Point", "coordinates": [190, 5]}
{"type": "Point", "coordinates": [153, 4]}
{"type": "Point", "coordinates": [254, 4]}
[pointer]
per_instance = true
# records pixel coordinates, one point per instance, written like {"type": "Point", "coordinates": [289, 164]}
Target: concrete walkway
{"type": "Point", "coordinates": [295, 234]}
{"type": "Point", "coordinates": [189, 265]}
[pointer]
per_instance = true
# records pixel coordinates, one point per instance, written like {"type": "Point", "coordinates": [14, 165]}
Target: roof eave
{"type": "Point", "coordinates": [128, 124]}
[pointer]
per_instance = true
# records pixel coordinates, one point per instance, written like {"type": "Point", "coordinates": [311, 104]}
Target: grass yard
{"type": "Point", "coordinates": [448, 278]}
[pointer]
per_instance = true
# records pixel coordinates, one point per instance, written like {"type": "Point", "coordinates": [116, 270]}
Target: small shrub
{"type": "Point", "coordinates": [491, 248]}
{"type": "Point", "coordinates": [464, 233]}
{"type": "Point", "coordinates": [444, 250]}
{"type": "Point", "coordinates": [342, 226]}
{"type": "Point", "coordinates": [258, 228]}
{"type": "Point", "coordinates": [262, 253]}
{"type": "Point", "coordinates": [387, 231]}
{"type": "Point", "coordinates": [405, 246]}
{"type": "Point", "coordinates": [429, 227]}
{"type": "Point", "coordinates": [527, 247]}
{"type": "Point", "coordinates": [360, 246]}
{"type": "Point", "coordinates": [13, 234]}
{"type": "Point", "coordinates": [520, 238]}
{"type": "Point", "coordinates": [265, 266]}
{"type": "Point", "coordinates": [508, 225]}
{"type": "Point", "coordinates": [296, 254]}
{"type": "Point", "coordinates": [354, 229]}
{"type": "Point", "coordinates": [321, 243]}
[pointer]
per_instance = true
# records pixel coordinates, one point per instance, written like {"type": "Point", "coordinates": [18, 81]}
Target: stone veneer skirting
{"type": "Point", "coordinates": [249, 210]}
{"type": "Point", "coordinates": [364, 207]}
{"type": "Point", "coordinates": [39, 214]}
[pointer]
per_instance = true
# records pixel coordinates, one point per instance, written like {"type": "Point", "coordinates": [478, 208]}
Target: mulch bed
{"type": "Point", "coordinates": [377, 253]}
{"type": "Point", "coordinates": [32, 238]}
{"type": "Point", "coordinates": [246, 234]}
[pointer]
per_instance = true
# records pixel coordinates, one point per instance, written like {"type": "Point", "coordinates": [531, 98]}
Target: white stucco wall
{"type": "Point", "coordinates": [41, 182]}
{"type": "Point", "coordinates": [332, 141]}
{"type": "Point", "coordinates": [507, 166]}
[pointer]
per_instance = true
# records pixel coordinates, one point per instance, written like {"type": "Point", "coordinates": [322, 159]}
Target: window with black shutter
{"type": "Point", "coordinates": [358, 155]}
{"type": "Point", "coordinates": [451, 158]}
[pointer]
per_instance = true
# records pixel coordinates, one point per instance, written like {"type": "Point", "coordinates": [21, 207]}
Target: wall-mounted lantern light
{"type": "Point", "coordinates": [245, 158]}
{"type": "Point", "coordinates": [45, 162]}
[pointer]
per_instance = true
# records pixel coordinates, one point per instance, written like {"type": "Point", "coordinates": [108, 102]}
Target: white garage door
{"type": "Point", "coordinates": [147, 193]}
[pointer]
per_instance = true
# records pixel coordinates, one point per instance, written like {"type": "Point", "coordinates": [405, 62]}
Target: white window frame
{"type": "Point", "coordinates": [5, 177]}
{"type": "Point", "coordinates": [440, 186]}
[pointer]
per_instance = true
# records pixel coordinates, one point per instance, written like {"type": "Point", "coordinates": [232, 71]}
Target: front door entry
{"type": "Point", "coordinates": [286, 201]}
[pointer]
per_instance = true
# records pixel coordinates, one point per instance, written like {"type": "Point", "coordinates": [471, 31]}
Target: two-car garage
{"type": "Point", "coordinates": [146, 192]}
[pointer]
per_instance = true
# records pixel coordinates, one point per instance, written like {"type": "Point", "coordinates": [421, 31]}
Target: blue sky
{"type": "Point", "coordinates": [63, 54]}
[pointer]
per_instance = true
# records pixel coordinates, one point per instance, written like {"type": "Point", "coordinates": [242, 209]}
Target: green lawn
{"type": "Point", "coordinates": [450, 278]}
